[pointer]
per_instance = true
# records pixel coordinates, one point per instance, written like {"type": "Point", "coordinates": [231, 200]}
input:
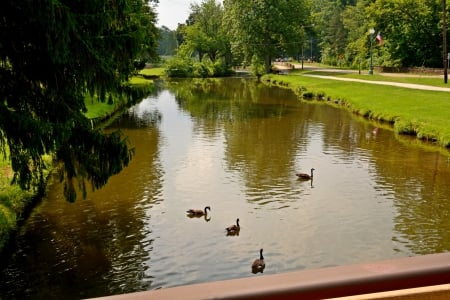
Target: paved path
{"type": "Point", "coordinates": [398, 84]}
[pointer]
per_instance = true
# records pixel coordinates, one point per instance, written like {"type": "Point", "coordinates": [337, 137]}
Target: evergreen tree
{"type": "Point", "coordinates": [53, 52]}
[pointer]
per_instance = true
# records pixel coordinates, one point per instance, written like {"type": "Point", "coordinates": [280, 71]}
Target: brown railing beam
{"type": "Point", "coordinates": [340, 281]}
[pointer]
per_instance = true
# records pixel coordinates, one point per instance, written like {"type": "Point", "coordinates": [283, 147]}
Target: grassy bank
{"type": "Point", "coordinates": [425, 114]}
{"type": "Point", "coordinates": [14, 202]}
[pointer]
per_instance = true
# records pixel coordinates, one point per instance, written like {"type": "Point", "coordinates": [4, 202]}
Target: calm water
{"type": "Point", "coordinates": [236, 147]}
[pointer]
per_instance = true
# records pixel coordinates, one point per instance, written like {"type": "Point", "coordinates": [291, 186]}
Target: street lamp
{"type": "Point", "coordinates": [371, 33]}
{"type": "Point", "coordinates": [303, 55]}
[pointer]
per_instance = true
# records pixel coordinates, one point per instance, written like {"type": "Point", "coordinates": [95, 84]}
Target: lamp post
{"type": "Point", "coordinates": [444, 40]}
{"type": "Point", "coordinates": [303, 46]}
{"type": "Point", "coordinates": [371, 32]}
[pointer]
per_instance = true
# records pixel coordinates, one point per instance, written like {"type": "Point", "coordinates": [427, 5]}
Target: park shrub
{"type": "Point", "coordinates": [221, 69]}
{"type": "Point", "coordinates": [201, 70]}
{"type": "Point", "coordinates": [179, 67]}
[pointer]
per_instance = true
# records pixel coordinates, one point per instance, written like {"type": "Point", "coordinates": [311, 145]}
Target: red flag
{"type": "Point", "coordinates": [380, 39]}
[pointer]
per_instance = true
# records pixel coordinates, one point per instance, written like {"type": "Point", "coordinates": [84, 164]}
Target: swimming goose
{"type": "Point", "coordinates": [198, 212]}
{"type": "Point", "coordinates": [233, 229]}
{"type": "Point", "coordinates": [259, 264]}
{"type": "Point", "coordinates": [304, 176]}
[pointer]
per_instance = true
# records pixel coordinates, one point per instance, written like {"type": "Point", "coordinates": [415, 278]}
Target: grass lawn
{"type": "Point", "coordinates": [422, 113]}
{"type": "Point", "coordinates": [153, 71]}
{"type": "Point", "coordinates": [425, 80]}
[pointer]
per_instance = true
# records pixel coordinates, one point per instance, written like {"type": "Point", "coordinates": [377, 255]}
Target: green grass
{"type": "Point", "coordinates": [96, 108]}
{"type": "Point", "coordinates": [422, 113]}
{"type": "Point", "coordinates": [153, 71]}
{"type": "Point", "coordinates": [13, 201]}
{"type": "Point", "coordinates": [424, 79]}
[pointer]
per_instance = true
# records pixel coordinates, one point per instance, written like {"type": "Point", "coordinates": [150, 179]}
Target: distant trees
{"type": "Point", "coordinates": [335, 32]}
{"type": "Point", "coordinates": [51, 54]}
{"type": "Point", "coordinates": [206, 34]}
{"type": "Point", "coordinates": [167, 43]}
{"type": "Point", "coordinates": [262, 30]}
{"type": "Point", "coordinates": [411, 30]}
{"type": "Point", "coordinates": [204, 37]}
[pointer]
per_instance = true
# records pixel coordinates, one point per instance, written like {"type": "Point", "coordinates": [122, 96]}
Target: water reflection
{"type": "Point", "coordinates": [236, 146]}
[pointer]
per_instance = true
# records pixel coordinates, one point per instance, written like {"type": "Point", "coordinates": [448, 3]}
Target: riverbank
{"type": "Point", "coordinates": [15, 203]}
{"type": "Point", "coordinates": [416, 106]}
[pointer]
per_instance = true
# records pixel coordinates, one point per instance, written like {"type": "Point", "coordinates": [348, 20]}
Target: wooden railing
{"type": "Point", "coordinates": [342, 281]}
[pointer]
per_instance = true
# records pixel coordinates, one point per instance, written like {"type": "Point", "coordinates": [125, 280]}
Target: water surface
{"type": "Point", "coordinates": [235, 146]}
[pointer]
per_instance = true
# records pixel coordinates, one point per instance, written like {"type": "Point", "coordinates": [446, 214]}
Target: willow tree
{"type": "Point", "coordinates": [264, 29]}
{"type": "Point", "coordinates": [52, 53]}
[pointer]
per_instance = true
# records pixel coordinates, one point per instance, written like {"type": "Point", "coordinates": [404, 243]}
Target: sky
{"type": "Point", "coordinates": [172, 12]}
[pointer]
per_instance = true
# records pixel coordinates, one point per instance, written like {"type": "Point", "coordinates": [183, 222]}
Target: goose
{"type": "Point", "coordinates": [198, 212]}
{"type": "Point", "coordinates": [258, 265]}
{"type": "Point", "coordinates": [304, 176]}
{"type": "Point", "coordinates": [233, 229]}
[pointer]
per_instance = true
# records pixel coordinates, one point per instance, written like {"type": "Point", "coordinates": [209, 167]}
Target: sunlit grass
{"type": "Point", "coordinates": [96, 108]}
{"type": "Point", "coordinates": [424, 79]}
{"type": "Point", "coordinates": [152, 71]}
{"type": "Point", "coordinates": [423, 113]}
{"type": "Point", "coordinates": [12, 201]}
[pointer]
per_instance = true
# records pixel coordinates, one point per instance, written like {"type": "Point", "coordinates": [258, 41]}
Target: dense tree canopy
{"type": "Point", "coordinates": [52, 53]}
{"type": "Point", "coordinates": [335, 32]}
{"type": "Point", "coordinates": [265, 29]}
{"type": "Point", "coordinates": [411, 30]}
{"type": "Point", "coordinates": [206, 34]}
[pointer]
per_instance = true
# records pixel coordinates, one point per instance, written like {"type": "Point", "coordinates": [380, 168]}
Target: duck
{"type": "Point", "coordinates": [198, 212]}
{"type": "Point", "coordinates": [304, 176]}
{"type": "Point", "coordinates": [233, 229]}
{"type": "Point", "coordinates": [258, 265]}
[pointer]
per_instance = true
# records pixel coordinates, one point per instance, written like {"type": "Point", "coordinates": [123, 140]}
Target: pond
{"type": "Point", "coordinates": [234, 145]}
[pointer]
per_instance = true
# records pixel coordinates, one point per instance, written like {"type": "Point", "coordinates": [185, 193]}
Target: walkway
{"type": "Point", "coordinates": [398, 84]}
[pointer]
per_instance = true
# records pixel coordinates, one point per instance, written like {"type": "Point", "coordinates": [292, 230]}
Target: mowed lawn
{"type": "Point", "coordinates": [412, 111]}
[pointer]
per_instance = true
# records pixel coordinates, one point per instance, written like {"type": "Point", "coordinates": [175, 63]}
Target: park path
{"type": "Point", "coordinates": [397, 84]}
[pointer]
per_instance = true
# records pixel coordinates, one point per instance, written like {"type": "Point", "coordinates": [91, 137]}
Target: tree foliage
{"type": "Point", "coordinates": [203, 34]}
{"type": "Point", "coordinates": [411, 30]}
{"type": "Point", "coordinates": [264, 29]}
{"type": "Point", "coordinates": [204, 46]}
{"type": "Point", "coordinates": [167, 44]}
{"type": "Point", "coordinates": [52, 53]}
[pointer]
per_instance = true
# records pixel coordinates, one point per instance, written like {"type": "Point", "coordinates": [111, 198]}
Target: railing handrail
{"type": "Point", "coordinates": [331, 282]}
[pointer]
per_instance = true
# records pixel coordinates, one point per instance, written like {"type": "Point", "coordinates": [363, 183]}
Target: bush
{"type": "Point", "coordinates": [178, 67]}
{"type": "Point", "coordinates": [186, 67]}
{"type": "Point", "coordinates": [221, 69]}
{"type": "Point", "coordinates": [201, 70]}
